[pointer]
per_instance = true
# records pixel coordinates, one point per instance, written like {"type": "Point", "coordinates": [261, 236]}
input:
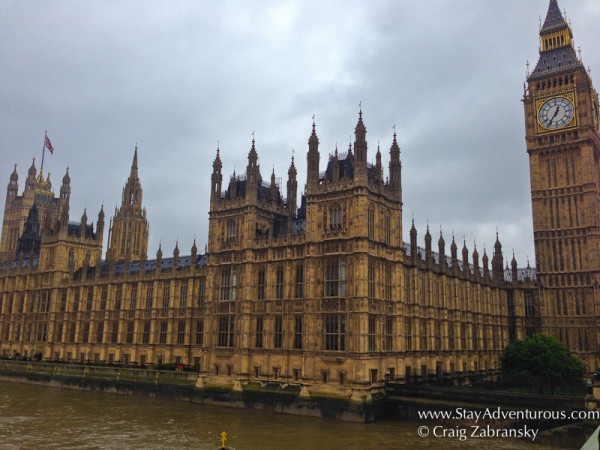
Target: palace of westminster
{"type": "Point", "coordinates": [320, 290]}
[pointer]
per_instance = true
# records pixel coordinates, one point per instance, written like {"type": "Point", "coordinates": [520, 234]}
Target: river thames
{"type": "Point", "coordinates": [38, 417]}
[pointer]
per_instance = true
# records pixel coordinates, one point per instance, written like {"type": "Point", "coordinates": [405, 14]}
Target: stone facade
{"type": "Point", "coordinates": [320, 290]}
{"type": "Point", "coordinates": [563, 142]}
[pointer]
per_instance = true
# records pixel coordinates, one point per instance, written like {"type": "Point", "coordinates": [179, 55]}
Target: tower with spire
{"type": "Point", "coordinates": [128, 232]}
{"type": "Point", "coordinates": [18, 208]}
{"type": "Point", "coordinates": [563, 143]}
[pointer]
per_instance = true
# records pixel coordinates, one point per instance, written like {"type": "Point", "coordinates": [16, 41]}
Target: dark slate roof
{"type": "Point", "coordinates": [436, 258]}
{"type": "Point", "coordinates": [298, 226]}
{"type": "Point", "coordinates": [346, 163]}
{"type": "Point", "coordinates": [555, 61]}
{"type": "Point", "coordinates": [263, 191]}
{"type": "Point", "coordinates": [522, 274]}
{"type": "Point", "coordinates": [149, 266]}
{"type": "Point", "coordinates": [554, 17]}
{"type": "Point", "coordinates": [25, 263]}
{"type": "Point", "coordinates": [74, 229]}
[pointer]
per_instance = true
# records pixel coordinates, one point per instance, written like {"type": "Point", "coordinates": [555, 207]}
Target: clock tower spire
{"type": "Point", "coordinates": [563, 143]}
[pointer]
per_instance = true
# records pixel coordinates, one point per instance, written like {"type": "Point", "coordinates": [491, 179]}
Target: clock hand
{"type": "Point", "coordinates": [555, 113]}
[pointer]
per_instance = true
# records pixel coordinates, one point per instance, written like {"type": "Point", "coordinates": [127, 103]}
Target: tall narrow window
{"type": "Point", "coordinates": [146, 335]}
{"type": "Point", "coordinates": [133, 301]}
{"type": "Point", "coordinates": [231, 230]}
{"type": "Point", "coordinates": [118, 297]}
{"type": "Point", "coordinates": [408, 334]}
{"type": "Point", "coordinates": [278, 332]}
{"type": "Point", "coordinates": [76, 301]}
{"type": "Point", "coordinates": [225, 284]}
{"type": "Point", "coordinates": [166, 295]}
{"type": "Point", "coordinates": [200, 332]}
{"type": "Point", "coordinates": [90, 299]}
{"type": "Point", "coordinates": [233, 286]}
{"type": "Point", "coordinates": [387, 228]}
{"type": "Point", "coordinates": [258, 343]}
{"type": "Point", "coordinates": [162, 336]}
{"type": "Point", "coordinates": [202, 292]}
{"type": "Point", "coordinates": [387, 283]}
{"type": "Point", "coordinates": [299, 287]}
{"type": "Point", "coordinates": [371, 334]}
{"type": "Point", "coordinates": [149, 296]}
{"type": "Point", "coordinates": [226, 331]}
{"type": "Point", "coordinates": [335, 332]}
{"type": "Point", "coordinates": [279, 284]}
{"type": "Point", "coordinates": [129, 335]}
{"type": "Point", "coordinates": [388, 334]}
{"type": "Point", "coordinates": [99, 332]}
{"type": "Point", "coordinates": [261, 284]}
{"type": "Point", "coordinates": [298, 332]}
{"type": "Point", "coordinates": [114, 332]}
{"type": "Point", "coordinates": [335, 217]}
{"type": "Point", "coordinates": [181, 332]}
{"type": "Point", "coordinates": [371, 271]}
{"type": "Point", "coordinates": [183, 293]}
{"type": "Point", "coordinates": [371, 222]}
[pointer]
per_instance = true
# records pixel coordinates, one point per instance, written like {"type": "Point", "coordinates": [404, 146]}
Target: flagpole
{"type": "Point", "coordinates": [44, 150]}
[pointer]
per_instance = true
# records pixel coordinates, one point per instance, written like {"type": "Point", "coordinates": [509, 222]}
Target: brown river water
{"type": "Point", "coordinates": [38, 417]}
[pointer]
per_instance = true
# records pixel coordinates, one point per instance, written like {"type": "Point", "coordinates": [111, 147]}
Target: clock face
{"type": "Point", "coordinates": [556, 113]}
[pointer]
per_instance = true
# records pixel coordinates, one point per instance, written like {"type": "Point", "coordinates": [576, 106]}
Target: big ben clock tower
{"type": "Point", "coordinates": [563, 142]}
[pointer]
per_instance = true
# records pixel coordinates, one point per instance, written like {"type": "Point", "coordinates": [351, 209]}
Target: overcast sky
{"type": "Point", "coordinates": [177, 77]}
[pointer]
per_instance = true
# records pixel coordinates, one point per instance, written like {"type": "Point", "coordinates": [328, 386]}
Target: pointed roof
{"type": "Point", "coordinates": [14, 176]}
{"type": "Point", "coordinates": [66, 179]}
{"type": "Point", "coordinates": [134, 164]}
{"type": "Point", "coordinates": [32, 170]}
{"type": "Point", "coordinates": [360, 126]}
{"type": "Point", "coordinates": [557, 54]}
{"type": "Point", "coordinates": [313, 139]}
{"type": "Point", "coordinates": [554, 18]}
{"type": "Point", "coordinates": [252, 155]}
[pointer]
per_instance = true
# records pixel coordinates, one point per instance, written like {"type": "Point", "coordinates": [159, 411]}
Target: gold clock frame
{"type": "Point", "coordinates": [541, 129]}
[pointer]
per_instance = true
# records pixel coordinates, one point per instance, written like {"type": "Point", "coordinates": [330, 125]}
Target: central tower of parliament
{"type": "Point", "coordinates": [320, 290]}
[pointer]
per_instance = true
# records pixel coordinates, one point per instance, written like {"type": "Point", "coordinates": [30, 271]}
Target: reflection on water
{"type": "Point", "coordinates": [34, 417]}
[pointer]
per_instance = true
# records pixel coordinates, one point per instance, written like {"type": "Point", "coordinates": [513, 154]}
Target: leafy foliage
{"type": "Point", "coordinates": [542, 361]}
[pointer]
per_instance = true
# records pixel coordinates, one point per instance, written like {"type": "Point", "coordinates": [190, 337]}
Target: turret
{"type": "Point", "coordinates": [273, 187]}
{"type": "Point", "coordinates": [395, 169]}
{"type": "Point", "coordinates": [454, 254]}
{"type": "Point", "coordinates": [216, 180]}
{"type": "Point", "coordinates": [128, 233]}
{"type": "Point", "coordinates": [176, 256]}
{"type": "Point", "coordinates": [476, 273]}
{"type": "Point", "coordinates": [253, 177]}
{"type": "Point", "coordinates": [312, 159]}
{"type": "Point", "coordinates": [159, 257]}
{"type": "Point", "coordinates": [428, 251]}
{"type": "Point", "coordinates": [292, 191]}
{"type": "Point", "coordinates": [514, 271]}
{"type": "Point", "coordinates": [442, 250]}
{"type": "Point", "coordinates": [486, 269]}
{"type": "Point", "coordinates": [100, 223]}
{"type": "Point", "coordinates": [465, 258]}
{"type": "Point", "coordinates": [378, 168]}
{"type": "Point", "coordinates": [194, 255]}
{"type": "Point", "coordinates": [497, 261]}
{"type": "Point", "coordinates": [335, 166]}
{"type": "Point", "coordinates": [360, 148]}
{"type": "Point", "coordinates": [31, 173]}
{"type": "Point", "coordinates": [413, 242]}
{"type": "Point", "coordinates": [12, 189]}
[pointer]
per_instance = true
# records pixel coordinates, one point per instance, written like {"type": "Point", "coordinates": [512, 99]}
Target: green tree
{"type": "Point", "coordinates": [540, 361]}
